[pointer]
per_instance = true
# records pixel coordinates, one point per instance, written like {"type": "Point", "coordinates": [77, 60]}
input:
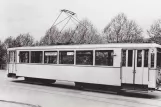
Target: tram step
{"type": "Point", "coordinates": [135, 91]}
{"type": "Point", "coordinates": [136, 87]}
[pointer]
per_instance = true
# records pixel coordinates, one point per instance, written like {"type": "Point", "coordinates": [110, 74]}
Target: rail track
{"type": "Point", "coordinates": [125, 100]}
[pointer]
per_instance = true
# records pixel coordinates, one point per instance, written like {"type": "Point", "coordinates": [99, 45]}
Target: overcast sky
{"type": "Point", "coordinates": [36, 16]}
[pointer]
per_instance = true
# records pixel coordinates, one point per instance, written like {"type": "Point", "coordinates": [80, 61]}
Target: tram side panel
{"type": "Point", "coordinates": [152, 78]}
{"type": "Point", "coordinates": [11, 66]}
{"type": "Point", "coordinates": [108, 75]}
{"type": "Point", "coordinates": [153, 72]}
{"type": "Point", "coordinates": [97, 75]}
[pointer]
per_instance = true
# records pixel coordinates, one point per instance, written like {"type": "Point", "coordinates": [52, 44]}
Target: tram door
{"type": "Point", "coordinates": [12, 62]}
{"type": "Point", "coordinates": [134, 66]}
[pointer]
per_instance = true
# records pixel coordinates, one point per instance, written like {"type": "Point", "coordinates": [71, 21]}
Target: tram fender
{"type": "Point", "coordinates": [12, 75]}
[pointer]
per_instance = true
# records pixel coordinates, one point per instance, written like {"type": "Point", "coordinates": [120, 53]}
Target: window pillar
{"type": "Point", "coordinates": [74, 57]}
{"type": "Point", "coordinates": [58, 57]}
{"type": "Point", "coordinates": [43, 57]}
{"type": "Point", "coordinates": [94, 57]}
{"type": "Point", "coordinates": [29, 56]}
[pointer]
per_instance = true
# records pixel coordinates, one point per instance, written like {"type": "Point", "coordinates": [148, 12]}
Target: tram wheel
{"type": "Point", "coordinates": [28, 79]}
{"type": "Point", "coordinates": [119, 92]}
{"type": "Point", "coordinates": [45, 81]}
{"type": "Point", "coordinates": [78, 85]}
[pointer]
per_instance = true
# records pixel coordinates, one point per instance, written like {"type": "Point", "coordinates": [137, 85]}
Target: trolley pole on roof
{"type": "Point", "coordinates": [67, 11]}
{"type": "Point", "coordinates": [70, 14]}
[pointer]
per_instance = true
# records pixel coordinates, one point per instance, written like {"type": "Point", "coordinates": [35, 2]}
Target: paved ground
{"type": "Point", "coordinates": [18, 93]}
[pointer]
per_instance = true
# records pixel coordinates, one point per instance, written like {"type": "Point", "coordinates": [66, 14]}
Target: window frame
{"type": "Point", "coordinates": [132, 59]}
{"type": "Point", "coordinates": [124, 51]}
{"type": "Point", "coordinates": [42, 61]}
{"type": "Point", "coordinates": [59, 57]}
{"type": "Point", "coordinates": [108, 63]}
{"type": "Point", "coordinates": [28, 56]}
{"type": "Point", "coordinates": [146, 62]}
{"type": "Point", "coordinates": [54, 55]}
{"type": "Point", "coordinates": [158, 52]}
{"type": "Point", "coordinates": [85, 50]}
{"type": "Point", "coordinates": [139, 58]}
{"type": "Point", "coordinates": [13, 54]}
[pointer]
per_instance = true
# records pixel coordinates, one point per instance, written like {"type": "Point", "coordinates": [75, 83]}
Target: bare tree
{"type": "Point", "coordinates": [51, 37]}
{"type": "Point", "coordinates": [155, 32]}
{"type": "Point", "coordinates": [86, 33]}
{"type": "Point", "coordinates": [83, 33]}
{"type": "Point", "coordinates": [19, 41]}
{"type": "Point", "coordinates": [120, 29]}
{"type": "Point", "coordinates": [3, 52]}
{"type": "Point", "coordinates": [36, 43]}
{"type": "Point", "coordinates": [66, 37]}
{"type": "Point", "coordinates": [9, 42]}
{"type": "Point", "coordinates": [24, 40]}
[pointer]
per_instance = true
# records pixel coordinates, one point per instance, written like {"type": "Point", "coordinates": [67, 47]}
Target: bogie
{"type": "Point", "coordinates": [38, 80]}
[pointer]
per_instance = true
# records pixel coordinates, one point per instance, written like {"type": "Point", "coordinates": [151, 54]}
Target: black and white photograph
{"type": "Point", "coordinates": [80, 53]}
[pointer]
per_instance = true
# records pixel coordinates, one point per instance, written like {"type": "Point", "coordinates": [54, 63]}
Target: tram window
{"type": "Point", "coordinates": [146, 53]}
{"type": "Point", "coordinates": [66, 57]}
{"type": "Point", "coordinates": [159, 50]}
{"type": "Point", "coordinates": [130, 58]}
{"type": "Point", "coordinates": [158, 59]}
{"type": "Point", "coordinates": [152, 60]}
{"type": "Point", "coordinates": [36, 56]}
{"type": "Point", "coordinates": [12, 56]}
{"type": "Point", "coordinates": [139, 58]}
{"type": "Point", "coordinates": [84, 57]}
{"type": "Point", "coordinates": [8, 58]}
{"type": "Point", "coordinates": [24, 57]}
{"type": "Point", "coordinates": [104, 57]}
{"type": "Point", "coordinates": [50, 57]}
{"type": "Point", "coordinates": [124, 58]}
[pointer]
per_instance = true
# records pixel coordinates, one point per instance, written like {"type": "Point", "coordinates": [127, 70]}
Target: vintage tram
{"type": "Point", "coordinates": [119, 65]}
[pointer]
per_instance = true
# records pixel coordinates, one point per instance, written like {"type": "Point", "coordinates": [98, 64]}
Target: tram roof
{"type": "Point", "coordinates": [92, 46]}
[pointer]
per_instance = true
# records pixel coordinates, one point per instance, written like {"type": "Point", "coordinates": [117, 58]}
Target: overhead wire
{"type": "Point", "coordinates": [61, 21]}
{"type": "Point", "coordinates": [77, 26]}
{"type": "Point", "coordinates": [70, 15]}
{"type": "Point", "coordinates": [79, 22]}
{"type": "Point", "coordinates": [65, 24]}
{"type": "Point", "coordinates": [74, 30]}
{"type": "Point", "coordinates": [84, 31]}
{"type": "Point", "coordinates": [57, 18]}
{"type": "Point", "coordinates": [53, 25]}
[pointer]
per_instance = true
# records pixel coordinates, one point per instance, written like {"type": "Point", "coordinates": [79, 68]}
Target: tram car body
{"type": "Point", "coordinates": [123, 65]}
